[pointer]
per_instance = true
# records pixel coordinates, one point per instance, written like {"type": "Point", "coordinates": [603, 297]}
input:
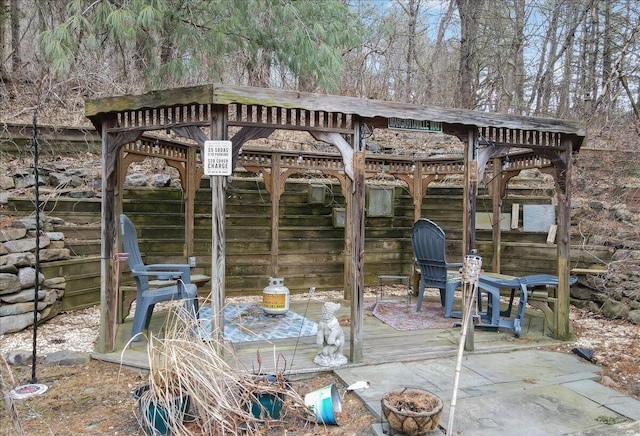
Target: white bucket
{"type": "Point", "coordinates": [325, 403]}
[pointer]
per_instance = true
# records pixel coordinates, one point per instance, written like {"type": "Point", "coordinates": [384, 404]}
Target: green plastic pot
{"type": "Point", "coordinates": [267, 405]}
{"type": "Point", "coordinates": [156, 417]}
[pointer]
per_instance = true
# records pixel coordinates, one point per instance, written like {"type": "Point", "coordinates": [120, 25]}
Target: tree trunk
{"type": "Point", "coordinates": [519, 103]}
{"type": "Point", "coordinates": [512, 89]}
{"type": "Point", "coordinates": [16, 60]}
{"type": "Point", "coordinates": [429, 67]}
{"type": "Point", "coordinates": [4, 36]}
{"type": "Point", "coordinates": [546, 81]}
{"type": "Point", "coordinates": [607, 59]}
{"type": "Point", "coordinates": [412, 9]}
{"type": "Point", "coordinates": [592, 50]}
{"type": "Point", "coordinates": [565, 86]}
{"type": "Point", "coordinates": [543, 86]}
{"type": "Point", "coordinates": [470, 12]}
{"type": "Point", "coordinates": [538, 81]}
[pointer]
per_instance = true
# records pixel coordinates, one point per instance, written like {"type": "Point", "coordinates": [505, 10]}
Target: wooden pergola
{"type": "Point", "coordinates": [209, 112]}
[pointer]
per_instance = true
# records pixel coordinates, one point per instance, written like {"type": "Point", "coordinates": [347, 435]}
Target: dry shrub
{"type": "Point", "coordinates": [220, 391]}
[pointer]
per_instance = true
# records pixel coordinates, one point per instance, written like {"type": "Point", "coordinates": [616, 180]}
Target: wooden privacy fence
{"type": "Point", "coordinates": [310, 234]}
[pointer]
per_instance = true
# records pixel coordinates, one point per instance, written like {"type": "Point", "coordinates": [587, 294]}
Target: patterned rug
{"type": "Point", "coordinates": [248, 322]}
{"type": "Point", "coordinates": [396, 314]}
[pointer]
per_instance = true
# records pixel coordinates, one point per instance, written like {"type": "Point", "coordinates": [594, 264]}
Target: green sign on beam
{"type": "Point", "coordinates": [421, 125]}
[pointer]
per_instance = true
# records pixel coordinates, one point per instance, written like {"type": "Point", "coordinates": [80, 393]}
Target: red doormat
{"type": "Point", "coordinates": [397, 315]}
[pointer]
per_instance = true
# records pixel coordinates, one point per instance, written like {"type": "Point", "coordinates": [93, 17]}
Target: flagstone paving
{"type": "Point", "coordinates": [525, 392]}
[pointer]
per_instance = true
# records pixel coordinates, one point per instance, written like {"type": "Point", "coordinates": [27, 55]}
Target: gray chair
{"type": "Point", "coordinates": [428, 241]}
{"type": "Point", "coordinates": [147, 298]}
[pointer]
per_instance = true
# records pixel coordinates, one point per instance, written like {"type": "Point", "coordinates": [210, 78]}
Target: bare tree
{"type": "Point", "coordinates": [9, 37]}
{"type": "Point", "coordinates": [470, 12]}
{"type": "Point", "coordinates": [4, 36]}
{"type": "Point", "coordinates": [366, 71]}
{"type": "Point", "coordinates": [412, 9]}
{"type": "Point", "coordinates": [16, 58]}
{"type": "Point", "coordinates": [511, 78]}
{"type": "Point", "coordinates": [607, 45]}
{"type": "Point", "coordinates": [436, 67]}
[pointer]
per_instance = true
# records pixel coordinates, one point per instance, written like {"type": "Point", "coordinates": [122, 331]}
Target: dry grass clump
{"type": "Point", "coordinates": [192, 378]}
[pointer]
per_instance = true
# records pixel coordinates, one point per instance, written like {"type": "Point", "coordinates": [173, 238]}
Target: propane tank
{"type": "Point", "coordinates": [275, 297]}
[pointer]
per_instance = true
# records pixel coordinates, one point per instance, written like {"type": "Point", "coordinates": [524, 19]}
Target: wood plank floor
{"type": "Point", "coordinates": [381, 343]}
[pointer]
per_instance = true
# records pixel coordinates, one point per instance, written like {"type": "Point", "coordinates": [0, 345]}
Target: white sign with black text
{"type": "Point", "coordinates": [217, 158]}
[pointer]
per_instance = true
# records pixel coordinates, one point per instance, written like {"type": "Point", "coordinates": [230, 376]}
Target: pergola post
{"type": "Point", "coordinates": [276, 192]}
{"type": "Point", "coordinates": [563, 331]}
{"type": "Point", "coordinates": [470, 190]}
{"type": "Point", "coordinates": [417, 190]}
{"type": "Point", "coordinates": [357, 257]}
{"type": "Point", "coordinates": [107, 332]}
{"type": "Point", "coordinates": [192, 180]}
{"type": "Point", "coordinates": [348, 272]}
{"type": "Point", "coordinates": [109, 295]}
{"type": "Point", "coordinates": [357, 201]}
{"type": "Point", "coordinates": [218, 131]}
{"type": "Point", "coordinates": [496, 192]}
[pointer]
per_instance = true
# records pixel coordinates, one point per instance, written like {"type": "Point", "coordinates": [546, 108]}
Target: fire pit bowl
{"type": "Point", "coordinates": [411, 411]}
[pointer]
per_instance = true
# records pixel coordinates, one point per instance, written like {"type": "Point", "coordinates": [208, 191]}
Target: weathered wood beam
{"type": "Point", "coordinates": [345, 149]}
{"type": "Point", "coordinates": [108, 292]}
{"type": "Point", "coordinates": [275, 189]}
{"type": "Point", "coordinates": [349, 273]}
{"type": "Point", "coordinates": [192, 183]}
{"type": "Point", "coordinates": [218, 201]}
{"type": "Point", "coordinates": [151, 128]}
{"type": "Point", "coordinates": [384, 109]}
{"type": "Point", "coordinates": [495, 192]}
{"type": "Point", "coordinates": [563, 327]}
{"type": "Point", "coordinates": [246, 134]}
{"type": "Point", "coordinates": [293, 127]}
{"type": "Point", "coordinates": [201, 94]}
{"type": "Point", "coordinates": [470, 191]}
{"type": "Point", "coordinates": [357, 258]}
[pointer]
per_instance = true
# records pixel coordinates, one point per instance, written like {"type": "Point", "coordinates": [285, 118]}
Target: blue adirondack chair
{"type": "Point", "coordinates": [147, 298]}
{"type": "Point", "coordinates": [428, 241]}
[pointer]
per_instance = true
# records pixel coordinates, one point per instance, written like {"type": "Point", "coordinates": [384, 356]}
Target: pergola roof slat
{"type": "Point", "coordinates": [225, 94]}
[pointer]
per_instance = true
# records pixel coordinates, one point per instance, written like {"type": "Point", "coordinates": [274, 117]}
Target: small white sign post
{"type": "Point", "coordinates": [217, 158]}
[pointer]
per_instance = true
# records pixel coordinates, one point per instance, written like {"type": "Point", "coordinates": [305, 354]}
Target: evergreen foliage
{"type": "Point", "coordinates": [170, 42]}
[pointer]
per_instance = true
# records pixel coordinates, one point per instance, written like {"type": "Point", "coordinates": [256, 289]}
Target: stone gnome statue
{"type": "Point", "coordinates": [331, 337]}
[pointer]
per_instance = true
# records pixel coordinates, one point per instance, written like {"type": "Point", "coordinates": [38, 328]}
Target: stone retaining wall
{"type": "Point", "coordinates": [18, 273]}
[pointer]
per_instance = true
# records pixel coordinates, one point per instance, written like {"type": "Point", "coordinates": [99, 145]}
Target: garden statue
{"type": "Point", "coordinates": [331, 337]}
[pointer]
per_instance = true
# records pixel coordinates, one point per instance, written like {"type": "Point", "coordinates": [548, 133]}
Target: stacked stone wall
{"type": "Point", "coordinates": [18, 273]}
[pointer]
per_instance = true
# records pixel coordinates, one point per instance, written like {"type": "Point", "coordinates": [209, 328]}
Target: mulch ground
{"type": "Point", "coordinates": [97, 399]}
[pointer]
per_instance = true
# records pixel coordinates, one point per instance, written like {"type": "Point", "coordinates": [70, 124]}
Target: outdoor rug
{"type": "Point", "coordinates": [396, 314]}
{"type": "Point", "coordinates": [248, 322]}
